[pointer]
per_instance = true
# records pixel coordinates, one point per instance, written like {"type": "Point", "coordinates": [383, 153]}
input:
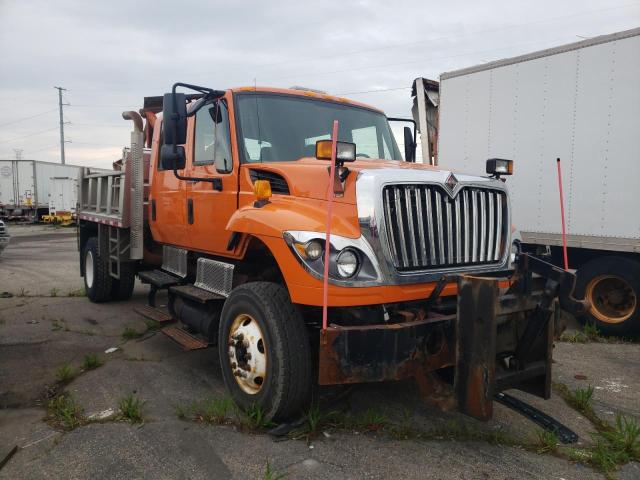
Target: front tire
{"type": "Point", "coordinates": [97, 281]}
{"type": "Point", "coordinates": [264, 350]}
{"type": "Point", "coordinates": [612, 285]}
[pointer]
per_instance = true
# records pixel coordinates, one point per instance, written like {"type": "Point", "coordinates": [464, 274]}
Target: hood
{"type": "Point", "coordinates": [309, 178]}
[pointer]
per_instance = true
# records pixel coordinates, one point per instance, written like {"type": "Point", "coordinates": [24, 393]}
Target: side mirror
{"type": "Point", "coordinates": [409, 146]}
{"type": "Point", "coordinates": [174, 118]}
{"type": "Point", "coordinates": [171, 160]}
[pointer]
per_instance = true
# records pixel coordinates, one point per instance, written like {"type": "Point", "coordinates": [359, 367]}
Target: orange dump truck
{"type": "Point", "coordinates": [222, 201]}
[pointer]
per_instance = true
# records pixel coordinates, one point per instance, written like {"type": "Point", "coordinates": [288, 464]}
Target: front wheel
{"type": "Point", "coordinates": [264, 350]}
{"type": "Point", "coordinates": [612, 286]}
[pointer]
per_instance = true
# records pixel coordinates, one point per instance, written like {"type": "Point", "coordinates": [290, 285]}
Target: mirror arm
{"type": "Point", "coordinates": [208, 95]}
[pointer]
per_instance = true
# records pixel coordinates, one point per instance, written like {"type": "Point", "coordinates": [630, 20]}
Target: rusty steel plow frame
{"type": "Point", "coordinates": [500, 338]}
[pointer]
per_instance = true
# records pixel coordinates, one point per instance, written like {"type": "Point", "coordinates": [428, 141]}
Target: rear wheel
{"type": "Point", "coordinates": [122, 288]}
{"type": "Point", "coordinates": [97, 281]}
{"type": "Point", "coordinates": [264, 350]}
{"type": "Point", "coordinates": [612, 286]}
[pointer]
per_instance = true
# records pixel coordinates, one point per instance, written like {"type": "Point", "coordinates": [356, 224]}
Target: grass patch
{"type": "Point", "coordinates": [152, 324]}
{"type": "Point", "coordinates": [130, 334]}
{"type": "Point", "coordinates": [271, 474]}
{"type": "Point", "coordinates": [371, 420]}
{"type": "Point", "coordinates": [212, 410]}
{"type": "Point", "coordinates": [65, 373]}
{"type": "Point", "coordinates": [80, 292]}
{"type": "Point", "coordinates": [57, 325]}
{"type": "Point", "coordinates": [616, 446]}
{"type": "Point", "coordinates": [91, 361]}
{"type": "Point", "coordinates": [456, 430]}
{"type": "Point", "coordinates": [581, 398]}
{"type": "Point", "coordinates": [130, 409]}
{"type": "Point", "coordinates": [255, 418]}
{"type": "Point", "coordinates": [63, 412]}
{"type": "Point", "coordinates": [54, 292]}
{"type": "Point", "coordinates": [547, 441]}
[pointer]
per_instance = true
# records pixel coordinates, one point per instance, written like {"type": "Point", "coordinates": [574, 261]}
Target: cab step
{"type": "Point", "coordinates": [184, 339]}
{"type": "Point", "coordinates": [158, 280]}
{"type": "Point", "coordinates": [196, 294]}
{"type": "Point", "coordinates": [154, 314]}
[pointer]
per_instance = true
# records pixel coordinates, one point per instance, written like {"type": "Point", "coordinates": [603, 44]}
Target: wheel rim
{"type": "Point", "coordinates": [247, 353]}
{"type": "Point", "coordinates": [88, 268]}
{"type": "Point", "coordinates": [612, 298]}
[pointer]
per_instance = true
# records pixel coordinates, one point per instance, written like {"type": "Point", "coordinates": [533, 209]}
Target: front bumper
{"type": "Point", "coordinates": [498, 339]}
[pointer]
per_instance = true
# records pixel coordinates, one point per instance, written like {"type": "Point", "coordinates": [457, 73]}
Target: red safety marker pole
{"type": "Point", "coordinates": [564, 231]}
{"type": "Point", "coordinates": [330, 195]}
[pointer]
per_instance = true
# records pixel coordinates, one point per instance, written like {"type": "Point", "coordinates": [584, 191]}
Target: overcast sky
{"type": "Point", "coordinates": [110, 54]}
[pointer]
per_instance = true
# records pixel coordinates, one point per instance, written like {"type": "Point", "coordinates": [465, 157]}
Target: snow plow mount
{"type": "Point", "coordinates": [499, 338]}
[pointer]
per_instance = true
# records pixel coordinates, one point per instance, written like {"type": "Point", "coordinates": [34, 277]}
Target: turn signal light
{"type": "Point", "coordinates": [346, 152]}
{"type": "Point", "coordinates": [262, 190]}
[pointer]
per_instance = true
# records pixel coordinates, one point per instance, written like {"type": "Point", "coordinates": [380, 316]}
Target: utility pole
{"type": "Point", "coordinates": [60, 89]}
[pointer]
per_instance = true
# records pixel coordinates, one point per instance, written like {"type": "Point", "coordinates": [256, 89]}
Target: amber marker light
{"type": "Point", "coordinates": [262, 190]}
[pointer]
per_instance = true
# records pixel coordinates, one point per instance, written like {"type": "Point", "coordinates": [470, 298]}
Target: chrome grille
{"type": "Point", "coordinates": [426, 228]}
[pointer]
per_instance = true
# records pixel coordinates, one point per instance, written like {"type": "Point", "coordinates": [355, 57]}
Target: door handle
{"type": "Point", "coordinates": [190, 211]}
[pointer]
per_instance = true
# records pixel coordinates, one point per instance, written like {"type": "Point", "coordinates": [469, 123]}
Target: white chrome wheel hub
{"type": "Point", "coordinates": [88, 268]}
{"type": "Point", "coordinates": [247, 353]}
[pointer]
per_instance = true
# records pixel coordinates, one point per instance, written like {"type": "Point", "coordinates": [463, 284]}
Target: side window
{"type": "Point", "coordinates": [212, 139]}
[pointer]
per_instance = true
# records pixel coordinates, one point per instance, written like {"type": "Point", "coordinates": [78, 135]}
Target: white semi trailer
{"type": "Point", "coordinates": [580, 103]}
{"type": "Point", "coordinates": [29, 188]}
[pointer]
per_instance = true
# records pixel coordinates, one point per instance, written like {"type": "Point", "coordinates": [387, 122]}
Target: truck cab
{"type": "Point", "coordinates": [420, 260]}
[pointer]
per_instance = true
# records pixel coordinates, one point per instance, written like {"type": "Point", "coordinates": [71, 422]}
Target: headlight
{"type": "Point", "coordinates": [351, 260]}
{"type": "Point", "coordinates": [516, 248]}
{"type": "Point", "coordinates": [313, 249]}
{"type": "Point", "coordinates": [347, 263]}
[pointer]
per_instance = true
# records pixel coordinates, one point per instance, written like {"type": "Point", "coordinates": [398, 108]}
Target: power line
{"type": "Point", "coordinates": [27, 118]}
{"type": "Point", "coordinates": [29, 135]}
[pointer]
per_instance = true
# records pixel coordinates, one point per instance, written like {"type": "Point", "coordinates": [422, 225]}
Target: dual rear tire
{"type": "Point", "coordinates": [612, 286]}
{"type": "Point", "coordinates": [99, 285]}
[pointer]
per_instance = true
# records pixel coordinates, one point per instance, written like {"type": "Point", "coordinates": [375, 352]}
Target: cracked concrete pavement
{"type": "Point", "coordinates": [40, 333]}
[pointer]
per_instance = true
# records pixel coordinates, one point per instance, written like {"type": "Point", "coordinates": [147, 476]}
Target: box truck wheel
{"type": "Point", "coordinates": [122, 288]}
{"type": "Point", "coordinates": [612, 285]}
{"type": "Point", "coordinates": [97, 281]}
{"type": "Point", "coordinates": [264, 350]}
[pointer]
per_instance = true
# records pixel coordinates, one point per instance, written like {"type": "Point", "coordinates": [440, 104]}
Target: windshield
{"type": "Point", "coordinates": [279, 128]}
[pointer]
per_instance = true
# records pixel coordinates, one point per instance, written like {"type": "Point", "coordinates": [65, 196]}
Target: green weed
{"type": "Point", "coordinates": [547, 441]}
{"type": "Point", "coordinates": [130, 333]}
{"type": "Point", "coordinates": [130, 408]}
{"type": "Point", "coordinates": [80, 292]}
{"type": "Point", "coordinates": [271, 474]}
{"type": "Point", "coordinates": [581, 399]}
{"type": "Point", "coordinates": [91, 361]}
{"type": "Point", "coordinates": [64, 412]}
{"type": "Point", "coordinates": [65, 373]}
{"type": "Point", "coordinates": [616, 446]}
{"type": "Point", "coordinates": [255, 417]}
{"type": "Point", "coordinates": [54, 292]}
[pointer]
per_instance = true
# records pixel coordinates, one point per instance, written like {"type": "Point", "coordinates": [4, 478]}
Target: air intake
{"type": "Point", "coordinates": [278, 183]}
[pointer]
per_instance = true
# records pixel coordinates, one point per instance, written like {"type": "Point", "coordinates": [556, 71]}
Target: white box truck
{"type": "Point", "coordinates": [580, 103]}
{"type": "Point", "coordinates": [29, 187]}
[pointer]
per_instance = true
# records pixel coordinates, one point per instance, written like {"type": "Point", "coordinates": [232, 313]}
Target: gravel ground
{"type": "Point", "coordinates": [38, 333]}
